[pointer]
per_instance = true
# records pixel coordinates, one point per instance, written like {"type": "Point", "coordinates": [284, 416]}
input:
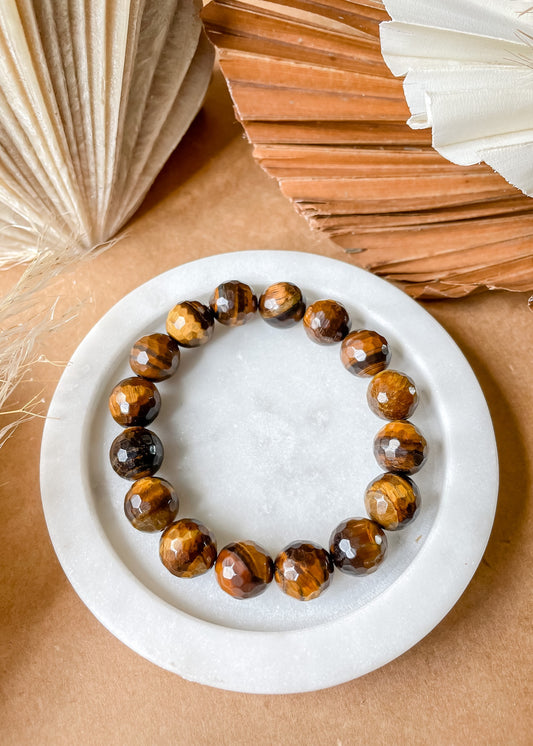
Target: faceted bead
{"type": "Point", "coordinates": [156, 357]}
{"type": "Point", "coordinates": [303, 569]}
{"type": "Point", "coordinates": [282, 305]}
{"type": "Point", "coordinates": [399, 446]}
{"type": "Point", "coordinates": [392, 501]}
{"type": "Point", "coordinates": [244, 569]}
{"type": "Point", "coordinates": [392, 395]}
{"type": "Point", "coordinates": [233, 303]}
{"type": "Point", "coordinates": [358, 546]}
{"type": "Point", "coordinates": [151, 504]}
{"type": "Point", "coordinates": [187, 548]}
{"type": "Point", "coordinates": [136, 453]}
{"type": "Point", "coordinates": [326, 322]}
{"type": "Point", "coordinates": [365, 353]}
{"type": "Point", "coordinates": [191, 323]}
{"type": "Point", "coordinates": [134, 401]}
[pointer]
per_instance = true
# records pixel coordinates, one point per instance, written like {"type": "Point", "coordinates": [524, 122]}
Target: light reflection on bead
{"type": "Point", "coordinates": [392, 500]}
{"type": "Point", "coordinates": [187, 548]}
{"type": "Point", "coordinates": [392, 395]}
{"type": "Point", "coordinates": [243, 569]}
{"type": "Point", "coordinates": [151, 504]}
{"type": "Point", "coordinates": [358, 546]}
{"type": "Point", "coordinates": [365, 353]}
{"type": "Point", "coordinates": [399, 446]}
{"type": "Point", "coordinates": [326, 322]}
{"type": "Point", "coordinates": [134, 401]}
{"type": "Point", "coordinates": [302, 570]}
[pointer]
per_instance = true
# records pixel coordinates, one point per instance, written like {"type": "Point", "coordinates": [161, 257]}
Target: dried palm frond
{"type": "Point", "coordinates": [328, 120]}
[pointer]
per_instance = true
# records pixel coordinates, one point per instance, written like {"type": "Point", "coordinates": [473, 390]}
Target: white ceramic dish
{"type": "Point", "coordinates": [267, 437]}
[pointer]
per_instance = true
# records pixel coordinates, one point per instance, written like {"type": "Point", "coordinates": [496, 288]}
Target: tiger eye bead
{"type": "Point", "coordinates": [392, 395]}
{"type": "Point", "coordinates": [392, 501]}
{"type": "Point", "coordinates": [151, 504]}
{"type": "Point", "coordinates": [399, 446]}
{"type": "Point", "coordinates": [365, 353]}
{"type": "Point", "coordinates": [243, 569]}
{"type": "Point", "coordinates": [134, 401]}
{"type": "Point", "coordinates": [156, 357]}
{"type": "Point", "coordinates": [302, 570]}
{"type": "Point", "coordinates": [358, 546]}
{"type": "Point", "coordinates": [187, 548]}
{"type": "Point", "coordinates": [282, 305]}
{"type": "Point", "coordinates": [136, 452]}
{"type": "Point", "coordinates": [190, 323]}
{"type": "Point", "coordinates": [326, 322]}
{"type": "Point", "coordinates": [233, 303]}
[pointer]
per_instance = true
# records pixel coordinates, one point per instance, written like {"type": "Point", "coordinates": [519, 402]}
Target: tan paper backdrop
{"type": "Point", "coordinates": [64, 679]}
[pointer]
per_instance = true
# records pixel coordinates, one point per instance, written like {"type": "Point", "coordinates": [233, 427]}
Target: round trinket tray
{"type": "Point", "coordinates": [268, 438]}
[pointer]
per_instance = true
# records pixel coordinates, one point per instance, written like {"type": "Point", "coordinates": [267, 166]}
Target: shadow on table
{"type": "Point", "coordinates": [492, 578]}
{"type": "Point", "coordinates": [515, 479]}
{"type": "Point", "coordinates": [212, 129]}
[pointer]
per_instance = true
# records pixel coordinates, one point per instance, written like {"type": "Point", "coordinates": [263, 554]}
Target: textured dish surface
{"type": "Point", "coordinates": [268, 438]}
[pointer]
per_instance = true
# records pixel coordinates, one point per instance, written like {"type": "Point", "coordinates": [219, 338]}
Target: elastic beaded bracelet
{"type": "Point", "coordinates": [243, 569]}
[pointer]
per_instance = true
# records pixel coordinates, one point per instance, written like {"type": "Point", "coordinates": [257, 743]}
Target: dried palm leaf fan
{"type": "Point", "coordinates": [327, 120]}
{"type": "Point", "coordinates": [94, 96]}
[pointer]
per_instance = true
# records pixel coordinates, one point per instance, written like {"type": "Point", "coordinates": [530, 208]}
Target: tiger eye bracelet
{"type": "Point", "coordinates": [243, 569]}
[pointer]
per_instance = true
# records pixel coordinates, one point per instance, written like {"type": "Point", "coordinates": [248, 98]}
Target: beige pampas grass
{"type": "Point", "coordinates": [94, 96]}
{"type": "Point", "coordinates": [24, 317]}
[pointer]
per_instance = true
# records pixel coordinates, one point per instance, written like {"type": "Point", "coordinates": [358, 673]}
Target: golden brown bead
{"type": "Point", "coordinates": [233, 303]}
{"type": "Point", "coordinates": [134, 401]}
{"type": "Point", "coordinates": [187, 548]}
{"type": "Point", "coordinates": [302, 570]}
{"type": "Point", "coordinates": [151, 504]}
{"type": "Point", "coordinates": [243, 569]}
{"type": "Point", "coordinates": [392, 395]}
{"type": "Point", "coordinates": [326, 322]}
{"type": "Point", "coordinates": [156, 357]}
{"type": "Point", "coordinates": [365, 353]}
{"type": "Point", "coordinates": [399, 446]}
{"type": "Point", "coordinates": [135, 453]}
{"type": "Point", "coordinates": [190, 323]}
{"type": "Point", "coordinates": [358, 546]}
{"type": "Point", "coordinates": [282, 305]}
{"type": "Point", "coordinates": [392, 501]}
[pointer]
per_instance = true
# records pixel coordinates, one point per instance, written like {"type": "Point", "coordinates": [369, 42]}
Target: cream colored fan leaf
{"type": "Point", "coordinates": [468, 67]}
{"type": "Point", "coordinates": [94, 96]}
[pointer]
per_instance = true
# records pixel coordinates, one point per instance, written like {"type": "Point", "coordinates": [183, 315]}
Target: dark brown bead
{"type": "Point", "coordinates": [392, 395]}
{"type": "Point", "coordinates": [190, 323]}
{"type": "Point", "coordinates": [187, 548]}
{"type": "Point", "coordinates": [358, 546]}
{"type": "Point", "coordinates": [134, 401]}
{"type": "Point", "coordinates": [326, 322]}
{"type": "Point", "coordinates": [136, 453]}
{"type": "Point", "coordinates": [365, 353]}
{"type": "Point", "coordinates": [151, 504]}
{"type": "Point", "coordinates": [303, 569]}
{"type": "Point", "coordinates": [392, 501]}
{"type": "Point", "coordinates": [233, 303]}
{"type": "Point", "coordinates": [282, 305]}
{"type": "Point", "coordinates": [399, 446]}
{"type": "Point", "coordinates": [156, 357]}
{"type": "Point", "coordinates": [244, 569]}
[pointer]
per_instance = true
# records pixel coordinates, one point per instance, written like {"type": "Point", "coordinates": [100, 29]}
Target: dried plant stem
{"type": "Point", "coordinates": [27, 315]}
